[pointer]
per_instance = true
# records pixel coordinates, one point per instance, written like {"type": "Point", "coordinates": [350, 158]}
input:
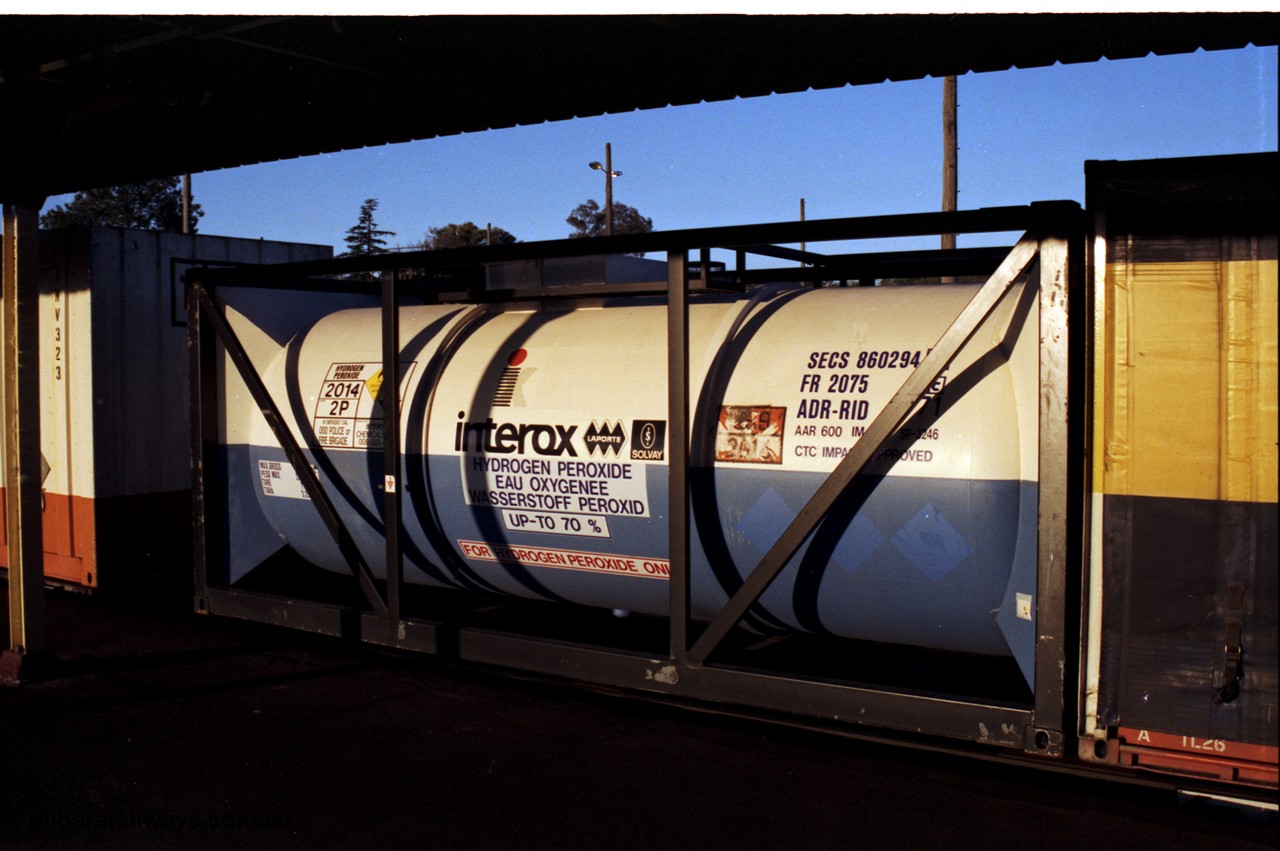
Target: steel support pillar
{"type": "Point", "coordinates": [388, 394]}
{"type": "Point", "coordinates": [678, 448]}
{"type": "Point", "coordinates": [23, 529]}
{"type": "Point", "coordinates": [1059, 227]}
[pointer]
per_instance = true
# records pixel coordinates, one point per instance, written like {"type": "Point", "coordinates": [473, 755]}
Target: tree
{"type": "Point", "coordinates": [149, 205]}
{"type": "Point", "coordinates": [465, 235]}
{"type": "Point", "coordinates": [364, 238]}
{"type": "Point", "coordinates": [588, 220]}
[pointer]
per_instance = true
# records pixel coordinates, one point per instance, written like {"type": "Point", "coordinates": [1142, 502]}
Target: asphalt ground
{"type": "Point", "coordinates": [167, 730]}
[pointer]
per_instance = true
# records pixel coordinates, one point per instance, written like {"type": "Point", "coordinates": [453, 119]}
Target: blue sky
{"type": "Point", "coordinates": [865, 150]}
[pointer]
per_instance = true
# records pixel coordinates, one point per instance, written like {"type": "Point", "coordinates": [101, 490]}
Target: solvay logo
{"type": "Point", "coordinates": [648, 440]}
{"type": "Point", "coordinates": [606, 439]}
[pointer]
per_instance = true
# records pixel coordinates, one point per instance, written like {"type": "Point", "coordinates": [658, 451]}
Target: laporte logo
{"type": "Point", "coordinates": [604, 439]}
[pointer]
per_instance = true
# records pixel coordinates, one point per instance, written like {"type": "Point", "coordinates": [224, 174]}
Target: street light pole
{"type": "Point", "coordinates": [609, 175]}
{"type": "Point", "coordinates": [803, 245]}
{"type": "Point", "coordinates": [608, 189]}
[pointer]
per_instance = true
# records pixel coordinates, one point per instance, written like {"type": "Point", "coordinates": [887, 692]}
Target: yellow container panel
{"type": "Point", "coordinates": [1187, 372]}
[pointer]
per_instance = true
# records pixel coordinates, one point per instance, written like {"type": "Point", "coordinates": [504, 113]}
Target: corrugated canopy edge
{"type": "Point", "coordinates": [103, 100]}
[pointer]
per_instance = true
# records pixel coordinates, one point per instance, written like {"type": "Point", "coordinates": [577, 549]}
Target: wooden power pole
{"type": "Point", "coordinates": [949, 153]}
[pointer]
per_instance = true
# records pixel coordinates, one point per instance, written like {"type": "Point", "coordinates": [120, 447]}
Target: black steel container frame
{"type": "Point", "coordinates": [1053, 234]}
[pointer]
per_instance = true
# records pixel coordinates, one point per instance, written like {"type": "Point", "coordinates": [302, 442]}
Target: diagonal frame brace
{"type": "Point", "coordinates": [886, 423]}
{"type": "Point", "coordinates": [310, 481]}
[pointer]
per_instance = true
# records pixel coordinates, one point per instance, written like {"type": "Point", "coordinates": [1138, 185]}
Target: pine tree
{"type": "Point", "coordinates": [364, 238]}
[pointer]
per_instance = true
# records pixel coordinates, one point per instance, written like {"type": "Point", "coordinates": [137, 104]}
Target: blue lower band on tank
{"type": "Point", "coordinates": [909, 560]}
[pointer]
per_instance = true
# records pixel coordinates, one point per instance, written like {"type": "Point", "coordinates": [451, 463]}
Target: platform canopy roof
{"type": "Point", "coordinates": [102, 100]}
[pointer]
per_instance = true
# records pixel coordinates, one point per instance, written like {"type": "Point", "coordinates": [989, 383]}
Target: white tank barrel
{"type": "Point", "coordinates": [535, 446]}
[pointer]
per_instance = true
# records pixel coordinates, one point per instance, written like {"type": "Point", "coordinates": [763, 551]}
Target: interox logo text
{"type": "Point", "coordinates": [508, 438]}
{"type": "Point", "coordinates": [607, 438]}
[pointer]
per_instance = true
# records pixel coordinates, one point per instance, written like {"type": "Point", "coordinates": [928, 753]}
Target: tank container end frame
{"type": "Point", "coordinates": [1053, 235]}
